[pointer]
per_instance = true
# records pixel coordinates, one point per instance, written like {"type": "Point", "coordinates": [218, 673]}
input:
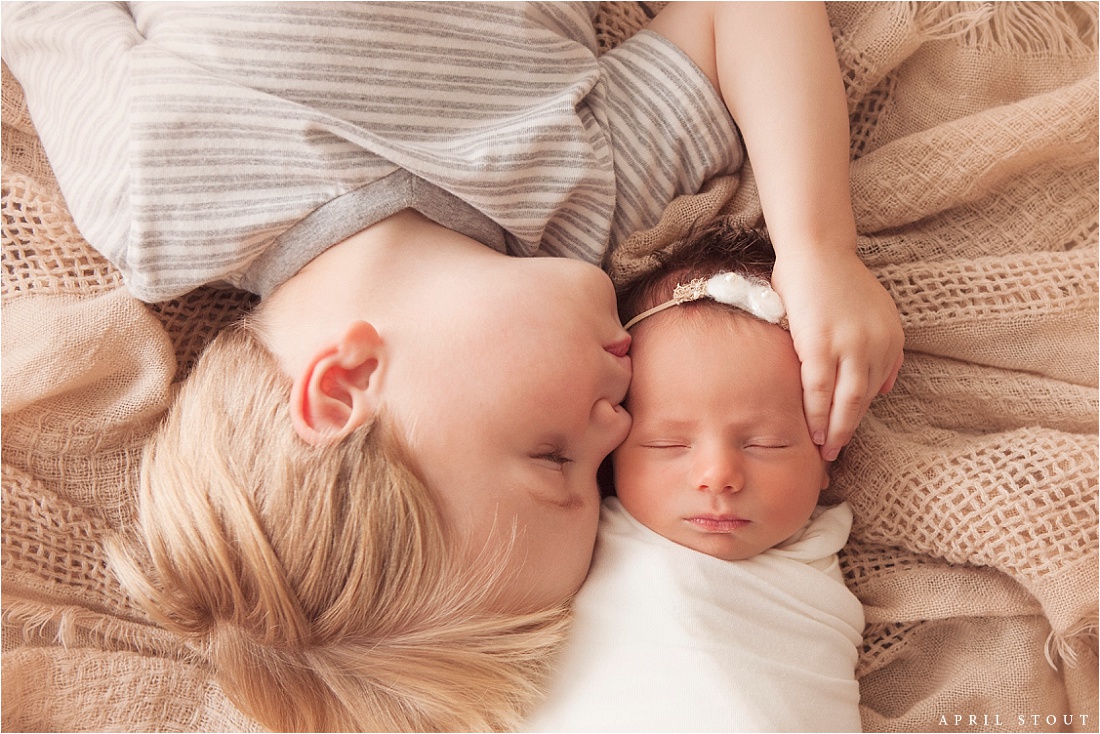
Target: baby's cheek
{"type": "Point", "coordinates": [660, 493]}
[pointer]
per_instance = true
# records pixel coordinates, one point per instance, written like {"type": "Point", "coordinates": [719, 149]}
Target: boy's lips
{"type": "Point", "coordinates": [620, 347]}
{"type": "Point", "coordinates": [717, 523]}
{"type": "Point", "coordinates": [619, 351]}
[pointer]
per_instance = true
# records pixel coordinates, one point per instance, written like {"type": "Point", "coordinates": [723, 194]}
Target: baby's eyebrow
{"type": "Point", "coordinates": [666, 424]}
{"type": "Point", "coordinates": [772, 422]}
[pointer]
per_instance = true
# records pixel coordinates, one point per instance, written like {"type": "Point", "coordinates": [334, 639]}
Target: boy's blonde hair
{"type": "Point", "coordinates": [319, 582]}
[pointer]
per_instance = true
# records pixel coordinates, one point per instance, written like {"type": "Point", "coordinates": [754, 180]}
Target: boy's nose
{"type": "Point", "coordinates": [719, 472]}
{"type": "Point", "coordinates": [611, 424]}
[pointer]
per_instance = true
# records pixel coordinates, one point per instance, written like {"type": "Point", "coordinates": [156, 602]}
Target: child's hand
{"type": "Point", "coordinates": [783, 85]}
{"type": "Point", "coordinates": [848, 336]}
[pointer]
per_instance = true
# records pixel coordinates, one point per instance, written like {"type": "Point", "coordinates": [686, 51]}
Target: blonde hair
{"type": "Point", "coordinates": [319, 582]}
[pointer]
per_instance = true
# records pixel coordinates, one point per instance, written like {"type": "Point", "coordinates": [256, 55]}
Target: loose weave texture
{"type": "Point", "coordinates": [974, 482]}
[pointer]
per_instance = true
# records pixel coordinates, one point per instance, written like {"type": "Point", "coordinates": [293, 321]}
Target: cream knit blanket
{"type": "Point", "coordinates": [974, 483]}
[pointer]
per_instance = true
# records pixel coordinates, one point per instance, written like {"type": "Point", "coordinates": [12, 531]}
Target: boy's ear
{"type": "Point", "coordinates": [339, 389]}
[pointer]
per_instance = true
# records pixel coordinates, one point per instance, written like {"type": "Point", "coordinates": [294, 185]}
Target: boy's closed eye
{"type": "Point", "coordinates": [554, 458]}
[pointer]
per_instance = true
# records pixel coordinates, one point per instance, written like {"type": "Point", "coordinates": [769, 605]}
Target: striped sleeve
{"type": "Point", "coordinates": [670, 127]}
{"type": "Point", "coordinates": [73, 62]}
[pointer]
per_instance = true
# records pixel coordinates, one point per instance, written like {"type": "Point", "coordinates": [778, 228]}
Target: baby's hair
{"type": "Point", "coordinates": [320, 583]}
{"type": "Point", "coordinates": [704, 251]}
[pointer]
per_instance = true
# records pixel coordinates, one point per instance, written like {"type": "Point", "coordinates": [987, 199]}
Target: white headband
{"type": "Point", "coordinates": [753, 295]}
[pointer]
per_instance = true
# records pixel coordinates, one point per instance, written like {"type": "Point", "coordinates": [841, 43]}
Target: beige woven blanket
{"type": "Point", "coordinates": [974, 483]}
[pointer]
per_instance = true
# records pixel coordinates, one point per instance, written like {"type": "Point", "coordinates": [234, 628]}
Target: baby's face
{"type": "Point", "coordinates": [719, 457]}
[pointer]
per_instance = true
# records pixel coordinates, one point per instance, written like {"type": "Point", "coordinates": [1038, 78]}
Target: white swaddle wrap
{"type": "Point", "coordinates": [670, 639]}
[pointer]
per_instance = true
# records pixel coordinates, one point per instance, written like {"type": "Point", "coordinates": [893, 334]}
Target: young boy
{"type": "Point", "coordinates": [391, 464]}
{"type": "Point", "coordinates": [715, 600]}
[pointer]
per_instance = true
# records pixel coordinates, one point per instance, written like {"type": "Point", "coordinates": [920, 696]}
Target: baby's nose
{"type": "Point", "coordinates": [719, 472]}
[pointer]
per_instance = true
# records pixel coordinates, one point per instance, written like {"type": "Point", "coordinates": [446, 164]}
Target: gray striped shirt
{"type": "Point", "coordinates": [222, 142]}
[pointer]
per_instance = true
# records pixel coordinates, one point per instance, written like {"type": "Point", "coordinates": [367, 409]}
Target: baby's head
{"type": "Point", "coordinates": [719, 457]}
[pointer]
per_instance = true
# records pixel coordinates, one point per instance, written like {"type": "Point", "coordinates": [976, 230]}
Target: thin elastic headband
{"type": "Point", "coordinates": [753, 295]}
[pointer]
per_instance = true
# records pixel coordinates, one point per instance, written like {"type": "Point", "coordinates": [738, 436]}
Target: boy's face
{"type": "Point", "coordinates": [719, 458]}
{"type": "Point", "coordinates": [511, 420]}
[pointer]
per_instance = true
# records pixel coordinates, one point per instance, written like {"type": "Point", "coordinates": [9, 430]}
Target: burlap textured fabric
{"type": "Point", "coordinates": [974, 483]}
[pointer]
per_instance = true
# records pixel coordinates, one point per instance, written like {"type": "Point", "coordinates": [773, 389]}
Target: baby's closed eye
{"type": "Point", "coordinates": [765, 443]}
{"type": "Point", "coordinates": [665, 444]}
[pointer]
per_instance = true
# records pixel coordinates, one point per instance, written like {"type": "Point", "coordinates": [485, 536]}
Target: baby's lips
{"type": "Point", "coordinates": [718, 523]}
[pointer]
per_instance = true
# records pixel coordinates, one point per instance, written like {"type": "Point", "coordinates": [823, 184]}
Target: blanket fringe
{"type": "Point", "coordinates": [70, 627]}
{"type": "Point", "coordinates": [1063, 646]}
{"type": "Point", "coordinates": [1031, 27]}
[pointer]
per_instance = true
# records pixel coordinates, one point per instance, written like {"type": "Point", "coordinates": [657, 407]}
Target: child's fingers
{"type": "Point", "coordinates": [818, 381]}
{"type": "Point", "coordinates": [892, 377]}
{"type": "Point", "coordinates": [851, 398]}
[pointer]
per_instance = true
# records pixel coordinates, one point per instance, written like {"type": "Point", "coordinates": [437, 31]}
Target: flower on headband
{"type": "Point", "coordinates": [751, 294]}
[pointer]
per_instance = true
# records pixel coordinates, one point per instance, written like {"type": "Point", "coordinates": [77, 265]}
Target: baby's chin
{"type": "Point", "coordinates": [726, 545]}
